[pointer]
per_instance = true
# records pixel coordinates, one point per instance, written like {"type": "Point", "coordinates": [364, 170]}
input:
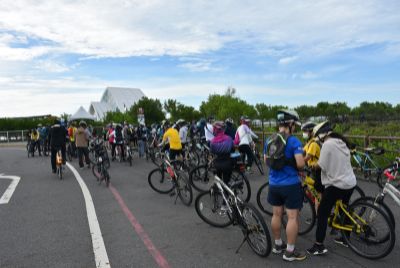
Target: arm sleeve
{"type": "Point", "coordinates": [324, 158]}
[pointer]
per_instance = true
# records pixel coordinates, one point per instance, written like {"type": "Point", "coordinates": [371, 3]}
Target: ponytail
{"type": "Point", "coordinates": [336, 135]}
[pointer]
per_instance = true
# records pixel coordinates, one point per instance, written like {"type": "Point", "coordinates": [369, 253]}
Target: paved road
{"type": "Point", "coordinates": [45, 224]}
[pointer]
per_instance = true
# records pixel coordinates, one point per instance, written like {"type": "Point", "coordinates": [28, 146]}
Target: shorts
{"type": "Point", "coordinates": [290, 196]}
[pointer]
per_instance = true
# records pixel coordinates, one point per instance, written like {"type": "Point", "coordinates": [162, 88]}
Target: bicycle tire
{"type": "Point", "coordinates": [241, 186]}
{"type": "Point", "coordinates": [212, 202]}
{"type": "Point", "coordinates": [185, 192]}
{"type": "Point", "coordinates": [307, 216]}
{"type": "Point", "coordinates": [159, 177]}
{"type": "Point", "coordinates": [201, 178]}
{"type": "Point", "coordinates": [106, 177]}
{"type": "Point", "coordinates": [249, 209]}
{"type": "Point", "coordinates": [367, 230]}
{"type": "Point", "coordinates": [95, 172]}
{"type": "Point", "coordinates": [262, 201]}
{"type": "Point", "coordinates": [381, 204]}
{"type": "Point", "coordinates": [258, 163]}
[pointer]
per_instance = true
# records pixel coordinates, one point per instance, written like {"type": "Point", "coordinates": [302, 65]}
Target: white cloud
{"type": "Point", "coordinates": [52, 66]}
{"type": "Point", "coordinates": [111, 28]}
{"type": "Point", "coordinates": [287, 60]}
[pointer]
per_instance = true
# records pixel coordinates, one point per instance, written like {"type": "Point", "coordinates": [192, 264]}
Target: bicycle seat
{"type": "Point", "coordinates": [375, 151]}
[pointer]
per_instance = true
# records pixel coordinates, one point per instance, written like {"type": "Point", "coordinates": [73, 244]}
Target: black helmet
{"type": "Point", "coordinates": [229, 121]}
{"type": "Point", "coordinates": [165, 123]}
{"type": "Point", "coordinates": [309, 126]}
{"type": "Point", "coordinates": [322, 128]}
{"type": "Point", "coordinates": [288, 116]}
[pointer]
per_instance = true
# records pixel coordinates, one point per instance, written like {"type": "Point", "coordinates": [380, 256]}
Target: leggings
{"type": "Point", "coordinates": [328, 201]}
{"type": "Point", "coordinates": [245, 149]}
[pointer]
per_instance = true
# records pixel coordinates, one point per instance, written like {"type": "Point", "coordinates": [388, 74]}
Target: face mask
{"type": "Point", "coordinates": [305, 135]}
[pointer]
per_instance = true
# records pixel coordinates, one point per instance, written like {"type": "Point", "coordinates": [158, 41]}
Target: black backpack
{"type": "Point", "coordinates": [275, 154]}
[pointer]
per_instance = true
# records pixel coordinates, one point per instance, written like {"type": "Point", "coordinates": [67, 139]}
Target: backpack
{"type": "Point", "coordinates": [118, 134]}
{"type": "Point", "coordinates": [275, 153]}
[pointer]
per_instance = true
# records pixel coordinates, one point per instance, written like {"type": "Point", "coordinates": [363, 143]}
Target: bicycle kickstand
{"type": "Point", "coordinates": [241, 244]}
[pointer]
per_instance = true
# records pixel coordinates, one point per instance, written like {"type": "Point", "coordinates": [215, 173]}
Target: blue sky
{"type": "Point", "coordinates": [58, 55]}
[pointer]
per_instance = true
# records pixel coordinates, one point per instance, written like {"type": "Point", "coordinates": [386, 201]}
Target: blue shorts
{"type": "Point", "coordinates": [290, 196]}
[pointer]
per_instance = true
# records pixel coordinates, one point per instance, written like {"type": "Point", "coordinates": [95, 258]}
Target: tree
{"type": "Point", "coordinates": [224, 106]}
{"type": "Point", "coordinates": [153, 110]}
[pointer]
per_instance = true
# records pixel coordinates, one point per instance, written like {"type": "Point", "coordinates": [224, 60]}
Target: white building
{"type": "Point", "coordinates": [115, 99]}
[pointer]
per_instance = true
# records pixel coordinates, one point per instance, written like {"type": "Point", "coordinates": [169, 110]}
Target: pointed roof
{"type": "Point", "coordinates": [82, 114]}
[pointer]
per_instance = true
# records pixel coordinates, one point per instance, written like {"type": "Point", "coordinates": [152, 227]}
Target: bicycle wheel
{"type": "Point", "coordinates": [59, 172]}
{"type": "Point", "coordinates": [256, 230]}
{"type": "Point", "coordinates": [69, 153]}
{"type": "Point", "coordinates": [307, 216]}
{"type": "Point", "coordinates": [159, 181]}
{"type": "Point", "coordinates": [376, 237]}
{"type": "Point", "coordinates": [381, 204]}
{"type": "Point", "coordinates": [262, 201]}
{"type": "Point", "coordinates": [184, 189]}
{"type": "Point", "coordinates": [210, 209]}
{"type": "Point", "coordinates": [258, 163]}
{"type": "Point", "coordinates": [240, 186]}
{"type": "Point", "coordinates": [201, 178]}
{"type": "Point", "coordinates": [96, 172]}
{"type": "Point", "coordinates": [106, 177]}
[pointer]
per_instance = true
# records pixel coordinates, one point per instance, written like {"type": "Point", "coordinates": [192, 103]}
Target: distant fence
{"type": "Point", "coordinates": [13, 136]}
{"type": "Point", "coordinates": [390, 143]}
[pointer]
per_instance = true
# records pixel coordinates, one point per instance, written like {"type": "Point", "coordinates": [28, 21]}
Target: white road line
{"type": "Point", "coordinates": [5, 198]}
{"type": "Point", "coordinates": [99, 249]}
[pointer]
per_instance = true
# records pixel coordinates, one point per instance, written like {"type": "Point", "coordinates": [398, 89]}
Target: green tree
{"type": "Point", "coordinates": [153, 110]}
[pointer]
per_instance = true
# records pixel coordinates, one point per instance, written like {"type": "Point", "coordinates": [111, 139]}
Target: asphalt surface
{"type": "Point", "coordinates": [45, 223]}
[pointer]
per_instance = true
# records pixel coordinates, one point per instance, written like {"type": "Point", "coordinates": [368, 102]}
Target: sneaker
{"type": "Point", "coordinates": [294, 256]}
{"type": "Point", "coordinates": [341, 241]}
{"type": "Point", "coordinates": [279, 249]}
{"type": "Point", "coordinates": [317, 250]}
{"type": "Point", "coordinates": [80, 168]}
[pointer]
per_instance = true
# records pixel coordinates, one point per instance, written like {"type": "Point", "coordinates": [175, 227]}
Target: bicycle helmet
{"type": "Point", "coordinates": [211, 118]}
{"type": "Point", "coordinates": [229, 120]}
{"type": "Point", "coordinates": [180, 122]}
{"type": "Point", "coordinates": [309, 126]}
{"type": "Point", "coordinates": [287, 117]}
{"type": "Point", "coordinates": [82, 123]}
{"type": "Point", "coordinates": [218, 126]}
{"type": "Point", "coordinates": [322, 129]}
{"type": "Point", "coordinates": [165, 123]}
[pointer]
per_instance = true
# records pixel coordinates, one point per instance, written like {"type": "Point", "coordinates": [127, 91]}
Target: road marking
{"type": "Point", "coordinates": [99, 249]}
{"type": "Point", "coordinates": [5, 198]}
{"type": "Point", "coordinates": [158, 257]}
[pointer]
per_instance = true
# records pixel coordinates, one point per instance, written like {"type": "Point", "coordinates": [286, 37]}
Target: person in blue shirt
{"type": "Point", "coordinates": [285, 189]}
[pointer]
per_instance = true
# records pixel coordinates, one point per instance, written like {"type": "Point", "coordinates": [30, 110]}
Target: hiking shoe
{"type": "Point", "coordinates": [317, 250]}
{"type": "Point", "coordinates": [294, 255]}
{"type": "Point", "coordinates": [279, 249]}
{"type": "Point", "coordinates": [341, 241]}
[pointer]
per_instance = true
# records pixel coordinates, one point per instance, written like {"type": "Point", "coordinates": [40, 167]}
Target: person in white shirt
{"type": "Point", "coordinates": [244, 138]}
{"type": "Point", "coordinates": [209, 130]}
{"type": "Point", "coordinates": [183, 131]}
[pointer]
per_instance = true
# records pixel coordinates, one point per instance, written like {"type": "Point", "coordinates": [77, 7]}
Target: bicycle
{"type": "Point", "coordinates": [99, 168]}
{"type": "Point", "coordinates": [59, 164]}
{"type": "Point", "coordinates": [307, 215]}
{"type": "Point", "coordinates": [225, 208]}
{"type": "Point", "coordinates": [69, 151]}
{"type": "Point", "coordinates": [170, 177]}
{"type": "Point", "coordinates": [201, 177]}
{"type": "Point", "coordinates": [128, 152]}
{"type": "Point", "coordinates": [391, 174]}
{"type": "Point", "coordinates": [363, 162]}
{"type": "Point", "coordinates": [257, 158]}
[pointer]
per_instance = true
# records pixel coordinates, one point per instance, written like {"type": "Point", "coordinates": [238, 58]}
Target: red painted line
{"type": "Point", "coordinates": [158, 257]}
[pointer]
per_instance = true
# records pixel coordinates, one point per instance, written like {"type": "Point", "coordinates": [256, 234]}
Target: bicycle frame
{"type": "Point", "coordinates": [341, 207]}
{"type": "Point", "coordinates": [362, 159]}
{"type": "Point", "coordinates": [390, 189]}
{"type": "Point", "coordinates": [222, 187]}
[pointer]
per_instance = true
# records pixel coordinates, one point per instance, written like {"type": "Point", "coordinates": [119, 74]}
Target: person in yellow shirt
{"type": "Point", "coordinates": [312, 151]}
{"type": "Point", "coordinates": [35, 142]}
{"type": "Point", "coordinates": [171, 135]}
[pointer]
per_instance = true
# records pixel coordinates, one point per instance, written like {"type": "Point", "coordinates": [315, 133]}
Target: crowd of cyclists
{"type": "Point", "coordinates": [326, 153]}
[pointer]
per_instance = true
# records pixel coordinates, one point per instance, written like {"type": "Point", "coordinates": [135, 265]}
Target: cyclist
{"type": "Point", "coordinates": [172, 136]}
{"type": "Point", "coordinates": [222, 146]}
{"type": "Point", "coordinates": [312, 151]}
{"type": "Point", "coordinates": [57, 136]}
{"type": "Point", "coordinates": [244, 137]}
{"type": "Point", "coordinates": [71, 133]}
{"type": "Point", "coordinates": [118, 140]}
{"type": "Point", "coordinates": [183, 131]}
{"type": "Point", "coordinates": [337, 176]}
{"type": "Point", "coordinates": [285, 188]}
{"type": "Point", "coordinates": [43, 133]}
{"type": "Point", "coordinates": [208, 129]}
{"type": "Point", "coordinates": [35, 141]}
{"type": "Point", "coordinates": [230, 129]}
{"type": "Point", "coordinates": [82, 136]}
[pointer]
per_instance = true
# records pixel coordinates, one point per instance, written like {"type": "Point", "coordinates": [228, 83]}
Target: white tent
{"type": "Point", "coordinates": [82, 114]}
